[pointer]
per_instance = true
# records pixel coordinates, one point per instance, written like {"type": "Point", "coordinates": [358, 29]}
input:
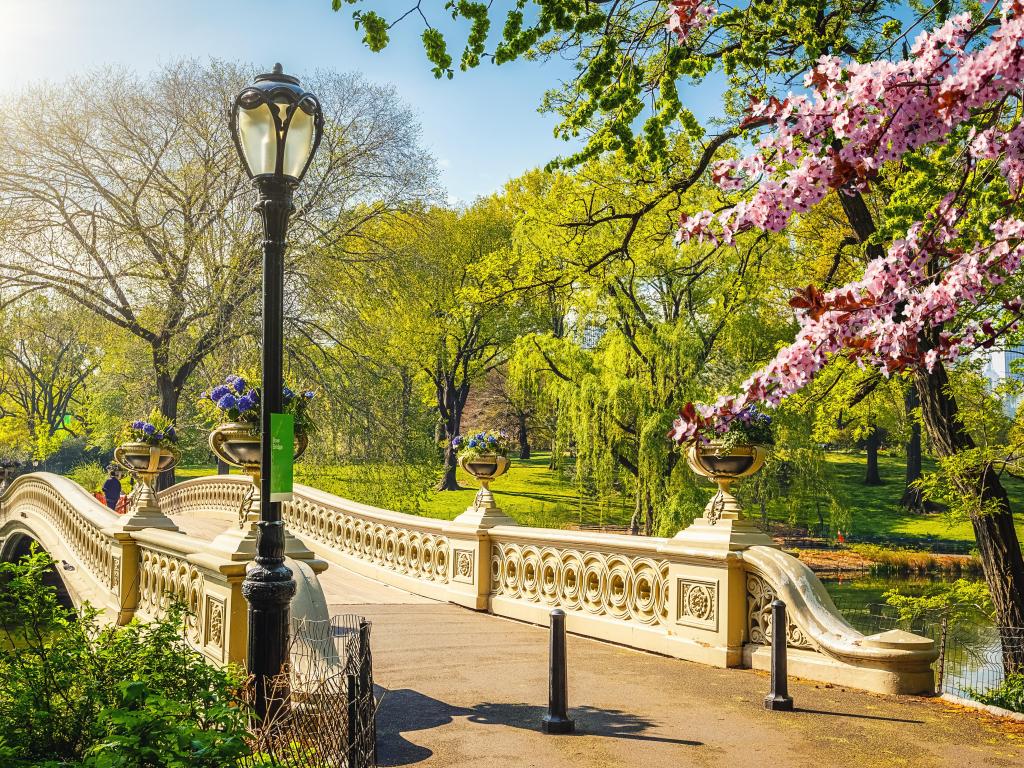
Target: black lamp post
{"type": "Point", "coordinates": [276, 126]}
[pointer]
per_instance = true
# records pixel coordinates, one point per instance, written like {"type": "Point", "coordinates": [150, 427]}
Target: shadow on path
{"type": "Point", "coordinates": [854, 715]}
{"type": "Point", "coordinates": [405, 710]}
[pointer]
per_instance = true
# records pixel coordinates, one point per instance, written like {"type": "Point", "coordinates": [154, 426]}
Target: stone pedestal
{"type": "Point", "coordinates": [239, 542]}
{"type": "Point", "coordinates": [708, 581]}
{"type": "Point", "coordinates": [470, 569]}
{"type": "Point", "coordinates": [723, 535]}
{"type": "Point", "coordinates": [484, 512]}
{"type": "Point", "coordinates": [145, 511]}
{"type": "Point", "coordinates": [722, 527]}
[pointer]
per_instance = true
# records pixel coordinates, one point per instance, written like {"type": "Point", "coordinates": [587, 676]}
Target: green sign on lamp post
{"type": "Point", "coordinates": [282, 442]}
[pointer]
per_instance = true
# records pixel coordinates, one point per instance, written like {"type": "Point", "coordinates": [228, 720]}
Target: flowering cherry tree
{"type": "Point", "coordinates": [912, 309]}
{"type": "Point", "coordinates": [855, 120]}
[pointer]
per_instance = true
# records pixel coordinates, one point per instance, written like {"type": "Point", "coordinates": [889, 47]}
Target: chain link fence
{"type": "Point", "coordinates": [327, 718]}
{"type": "Point", "coordinates": [974, 654]}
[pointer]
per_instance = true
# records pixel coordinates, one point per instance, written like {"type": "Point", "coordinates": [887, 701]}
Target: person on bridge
{"type": "Point", "coordinates": [112, 487]}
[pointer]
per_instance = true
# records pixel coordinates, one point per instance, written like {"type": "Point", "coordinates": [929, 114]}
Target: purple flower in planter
{"type": "Point", "coordinates": [219, 392]}
{"type": "Point", "coordinates": [158, 435]}
{"type": "Point", "coordinates": [137, 424]}
{"type": "Point", "coordinates": [456, 441]}
{"type": "Point", "coordinates": [227, 402]}
{"type": "Point", "coordinates": [245, 403]}
{"type": "Point", "coordinates": [148, 428]}
{"type": "Point", "coordinates": [309, 394]}
{"type": "Point", "coordinates": [239, 385]}
{"type": "Point", "coordinates": [171, 433]}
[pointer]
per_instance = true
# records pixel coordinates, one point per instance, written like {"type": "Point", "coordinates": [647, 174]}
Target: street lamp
{"type": "Point", "coordinates": [276, 126]}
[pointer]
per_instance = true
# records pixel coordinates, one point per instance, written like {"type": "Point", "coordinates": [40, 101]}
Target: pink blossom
{"type": "Point", "coordinates": [686, 16]}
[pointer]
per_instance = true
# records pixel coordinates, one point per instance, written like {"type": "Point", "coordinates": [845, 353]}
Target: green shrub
{"type": "Point", "coordinates": [89, 476]}
{"type": "Point", "coordinates": [1009, 695]}
{"type": "Point", "coordinates": [78, 694]}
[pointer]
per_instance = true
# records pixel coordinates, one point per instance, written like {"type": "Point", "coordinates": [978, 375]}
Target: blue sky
{"type": "Point", "coordinates": [483, 126]}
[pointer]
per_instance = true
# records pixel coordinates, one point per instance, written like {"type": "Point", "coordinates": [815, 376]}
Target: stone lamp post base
{"type": "Point", "coordinates": [239, 543]}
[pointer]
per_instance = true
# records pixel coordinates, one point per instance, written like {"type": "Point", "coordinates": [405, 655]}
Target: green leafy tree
{"type": "Point", "coordinates": [133, 205]}
{"type": "Point", "coordinates": [46, 365]}
{"type": "Point", "coordinates": [645, 326]}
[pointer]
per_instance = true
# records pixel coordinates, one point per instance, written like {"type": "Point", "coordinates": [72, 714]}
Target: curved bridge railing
{"type": "Point", "coordinates": [685, 597]}
{"type": "Point", "coordinates": [127, 573]}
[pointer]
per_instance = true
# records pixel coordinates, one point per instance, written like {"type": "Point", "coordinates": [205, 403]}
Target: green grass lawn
{"type": "Point", "coordinates": [535, 495]}
{"type": "Point", "coordinates": [875, 510]}
{"type": "Point", "coordinates": [529, 492]}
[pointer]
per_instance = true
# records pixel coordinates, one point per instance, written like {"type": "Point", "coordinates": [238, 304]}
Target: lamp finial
{"type": "Point", "coordinates": [278, 69]}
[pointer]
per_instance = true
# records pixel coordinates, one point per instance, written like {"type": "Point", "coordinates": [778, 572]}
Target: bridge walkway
{"type": "Point", "coordinates": [461, 688]}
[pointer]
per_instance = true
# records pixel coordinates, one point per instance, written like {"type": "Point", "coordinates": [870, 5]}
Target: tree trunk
{"type": "Point", "coordinates": [554, 460]}
{"type": "Point", "coordinates": [634, 521]}
{"type": "Point", "coordinates": [168, 395]}
{"type": "Point", "coordinates": [873, 443]}
{"type": "Point", "coordinates": [998, 547]}
{"type": "Point", "coordinates": [644, 510]}
{"type": "Point", "coordinates": [451, 401]}
{"type": "Point", "coordinates": [223, 468]}
{"type": "Point", "coordinates": [524, 437]}
{"type": "Point", "coordinates": [911, 494]}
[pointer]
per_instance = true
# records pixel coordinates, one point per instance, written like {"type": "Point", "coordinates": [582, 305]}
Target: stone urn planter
{"type": "Point", "coordinates": [485, 468]}
{"type": "Point", "coordinates": [238, 444]}
{"type": "Point", "coordinates": [483, 512]}
{"type": "Point", "coordinates": [723, 467]}
{"type": "Point", "coordinates": [146, 462]}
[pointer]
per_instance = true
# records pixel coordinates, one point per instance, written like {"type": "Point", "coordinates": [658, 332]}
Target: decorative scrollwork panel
{"type": "Point", "coordinates": [760, 595]}
{"type": "Point", "coordinates": [164, 579]}
{"type": "Point", "coordinates": [698, 603]}
{"type": "Point", "coordinates": [602, 584]}
{"type": "Point", "coordinates": [420, 554]}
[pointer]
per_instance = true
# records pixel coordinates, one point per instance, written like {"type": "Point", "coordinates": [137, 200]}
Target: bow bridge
{"type": "Point", "coordinates": [704, 595]}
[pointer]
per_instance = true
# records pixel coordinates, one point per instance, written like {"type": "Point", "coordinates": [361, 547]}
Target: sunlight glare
{"type": "Point", "coordinates": [32, 31]}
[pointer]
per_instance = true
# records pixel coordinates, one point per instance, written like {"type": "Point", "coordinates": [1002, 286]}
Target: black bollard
{"type": "Point", "coordinates": [779, 699]}
{"type": "Point", "coordinates": [557, 719]}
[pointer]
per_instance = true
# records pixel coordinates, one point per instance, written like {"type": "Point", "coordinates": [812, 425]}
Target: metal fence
{"type": "Point", "coordinates": [327, 719]}
{"type": "Point", "coordinates": [974, 654]}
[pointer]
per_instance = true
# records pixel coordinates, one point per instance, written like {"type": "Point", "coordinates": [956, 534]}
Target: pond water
{"type": "Point", "coordinates": [972, 658]}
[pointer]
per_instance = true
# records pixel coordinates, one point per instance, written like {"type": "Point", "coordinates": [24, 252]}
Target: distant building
{"type": "Point", "coordinates": [998, 367]}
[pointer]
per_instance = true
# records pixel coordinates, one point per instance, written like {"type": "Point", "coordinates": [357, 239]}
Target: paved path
{"type": "Point", "coordinates": [462, 688]}
{"type": "Point", "coordinates": [467, 689]}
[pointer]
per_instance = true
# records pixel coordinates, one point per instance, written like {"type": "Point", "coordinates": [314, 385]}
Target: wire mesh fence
{"type": "Point", "coordinates": [322, 711]}
{"type": "Point", "coordinates": [975, 656]}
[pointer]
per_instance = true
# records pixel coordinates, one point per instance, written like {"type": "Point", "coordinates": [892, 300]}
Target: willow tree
{"type": "Point", "coordinates": [647, 325]}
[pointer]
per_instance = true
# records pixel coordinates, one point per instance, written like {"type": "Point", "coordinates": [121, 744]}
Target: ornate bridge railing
{"type": "Point", "coordinates": [704, 595]}
{"type": "Point", "coordinates": [127, 573]}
